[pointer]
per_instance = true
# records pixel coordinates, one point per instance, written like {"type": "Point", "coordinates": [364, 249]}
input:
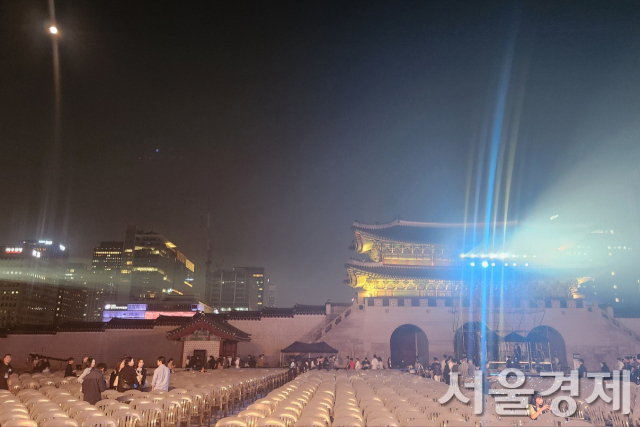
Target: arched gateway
{"type": "Point", "coordinates": [407, 342]}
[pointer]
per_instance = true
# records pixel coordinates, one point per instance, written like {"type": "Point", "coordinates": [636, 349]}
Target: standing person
{"type": "Point", "coordinates": [5, 372]}
{"type": "Point", "coordinates": [171, 365]}
{"type": "Point", "coordinates": [68, 370]}
{"type": "Point", "coordinates": [141, 373]}
{"type": "Point", "coordinates": [89, 365]}
{"type": "Point", "coordinates": [187, 363]}
{"type": "Point", "coordinates": [517, 353]}
{"type": "Point", "coordinates": [436, 369]}
{"type": "Point", "coordinates": [582, 370]}
{"type": "Point", "coordinates": [94, 384]}
{"type": "Point", "coordinates": [446, 374]}
{"type": "Point", "coordinates": [161, 376]}
{"type": "Point", "coordinates": [464, 368]}
{"type": "Point", "coordinates": [389, 362]}
{"type": "Point", "coordinates": [127, 379]}
{"type": "Point", "coordinates": [604, 368]}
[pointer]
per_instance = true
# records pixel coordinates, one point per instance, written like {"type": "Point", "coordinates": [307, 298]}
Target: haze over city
{"type": "Point", "coordinates": [289, 121]}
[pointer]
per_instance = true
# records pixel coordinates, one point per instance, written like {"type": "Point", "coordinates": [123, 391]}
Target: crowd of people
{"type": "Point", "coordinates": [127, 375]}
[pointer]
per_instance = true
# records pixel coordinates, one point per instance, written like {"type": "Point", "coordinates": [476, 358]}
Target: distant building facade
{"type": "Point", "coordinates": [105, 269]}
{"type": "Point", "coordinates": [33, 261]}
{"type": "Point", "coordinates": [235, 289]}
{"type": "Point", "coordinates": [270, 300]}
{"type": "Point", "coordinates": [152, 266]}
{"type": "Point", "coordinates": [174, 305]}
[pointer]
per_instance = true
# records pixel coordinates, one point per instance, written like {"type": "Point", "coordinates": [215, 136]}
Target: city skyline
{"type": "Point", "coordinates": [289, 121]}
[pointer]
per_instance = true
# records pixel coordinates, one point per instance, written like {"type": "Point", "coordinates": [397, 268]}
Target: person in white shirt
{"type": "Point", "coordinates": [90, 364]}
{"type": "Point", "coordinates": [161, 376]}
{"type": "Point", "coordinates": [358, 364]}
{"type": "Point", "coordinates": [374, 363]}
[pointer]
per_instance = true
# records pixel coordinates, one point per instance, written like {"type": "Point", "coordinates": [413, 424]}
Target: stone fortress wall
{"type": "Point", "coordinates": [358, 330]}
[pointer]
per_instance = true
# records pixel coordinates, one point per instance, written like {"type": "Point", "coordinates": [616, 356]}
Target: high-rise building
{"type": "Point", "coordinates": [71, 304]}
{"type": "Point", "coordinates": [105, 269]}
{"type": "Point", "coordinates": [107, 257]}
{"type": "Point", "coordinates": [270, 300]}
{"type": "Point", "coordinates": [152, 266]}
{"type": "Point", "coordinates": [255, 276]}
{"type": "Point", "coordinates": [33, 261]}
{"type": "Point", "coordinates": [235, 289]}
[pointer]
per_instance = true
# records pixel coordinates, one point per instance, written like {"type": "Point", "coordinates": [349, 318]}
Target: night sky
{"type": "Point", "coordinates": [290, 120]}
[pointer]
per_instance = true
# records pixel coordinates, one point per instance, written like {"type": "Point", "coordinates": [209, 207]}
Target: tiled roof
{"type": "Point", "coordinates": [116, 323]}
{"type": "Point", "coordinates": [211, 322]}
{"type": "Point", "coordinates": [81, 327]}
{"type": "Point", "coordinates": [309, 309]}
{"type": "Point", "coordinates": [460, 272]}
{"type": "Point", "coordinates": [419, 272]}
{"type": "Point", "coordinates": [33, 329]}
{"type": "Point", "coordinates": [172, 320]}
{"type": "Point", "coordinates": [244, 315]}
{"type": "Point", "coordinates": [427, 232]}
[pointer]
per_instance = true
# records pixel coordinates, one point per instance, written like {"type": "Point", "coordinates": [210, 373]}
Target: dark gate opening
{"type": "Point", "coordinates": [407, 342]}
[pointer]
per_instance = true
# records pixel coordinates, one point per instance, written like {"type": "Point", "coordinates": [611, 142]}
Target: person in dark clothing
{"type": "Point", "coordinates": [517, 353]}
{"type": "Point", "coordinates": [366, 364]}
{"type": "Point", "coordinates": [94, 384]}
{"type": "Point", "coordinates": [68, 371]}
{"type": "Point", "coordinates": [582, 370]}
{"type": "Point", "coordinates": [127, 378]}
{"type": "Point", "coordinates": [46, 365]}
{"type": "Point", "coordinates": [509, 362]}
{"type": "Point", "coordinates": [114, 379]}
{"type": "Point", "coordinates": [141, 373]}
{"type": "Point", "coordinates": [436, 370]}
{"type": "Point", "coordinates": [5, 372]}
{"type": "Point", "coordinates": [252, 362]}
{"type": "Point", "coordinates": [37, 365]}
{"type": "Point", "coordinates": [446, 373]}
{"type": "Point", "coordinates": [604, 368]}
{"type": "Point", "coordinates": [211, 364]}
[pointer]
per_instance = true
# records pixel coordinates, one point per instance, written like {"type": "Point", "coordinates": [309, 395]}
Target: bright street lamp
{"type": "Point", "coordinates": [53, 29]}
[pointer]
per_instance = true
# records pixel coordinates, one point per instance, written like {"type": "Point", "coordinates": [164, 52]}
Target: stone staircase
{"type": "Point", "coordinates": [333, 320]}
{"type": "Point", "coordinates": [623, 329]}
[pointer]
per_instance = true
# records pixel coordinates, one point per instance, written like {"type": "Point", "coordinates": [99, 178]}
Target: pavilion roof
{"type": "Point", "coordinates": [401, 272]}
{"type": "Point", "coordinates": [213, 323]}
{"type": "Point", "coordinates": [427, 232]}
{"type": "Point", "coordinates": [457, 273]}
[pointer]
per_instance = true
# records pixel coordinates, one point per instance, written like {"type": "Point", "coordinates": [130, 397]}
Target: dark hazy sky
{"type": "Point", "coordinates": [290, 120]}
